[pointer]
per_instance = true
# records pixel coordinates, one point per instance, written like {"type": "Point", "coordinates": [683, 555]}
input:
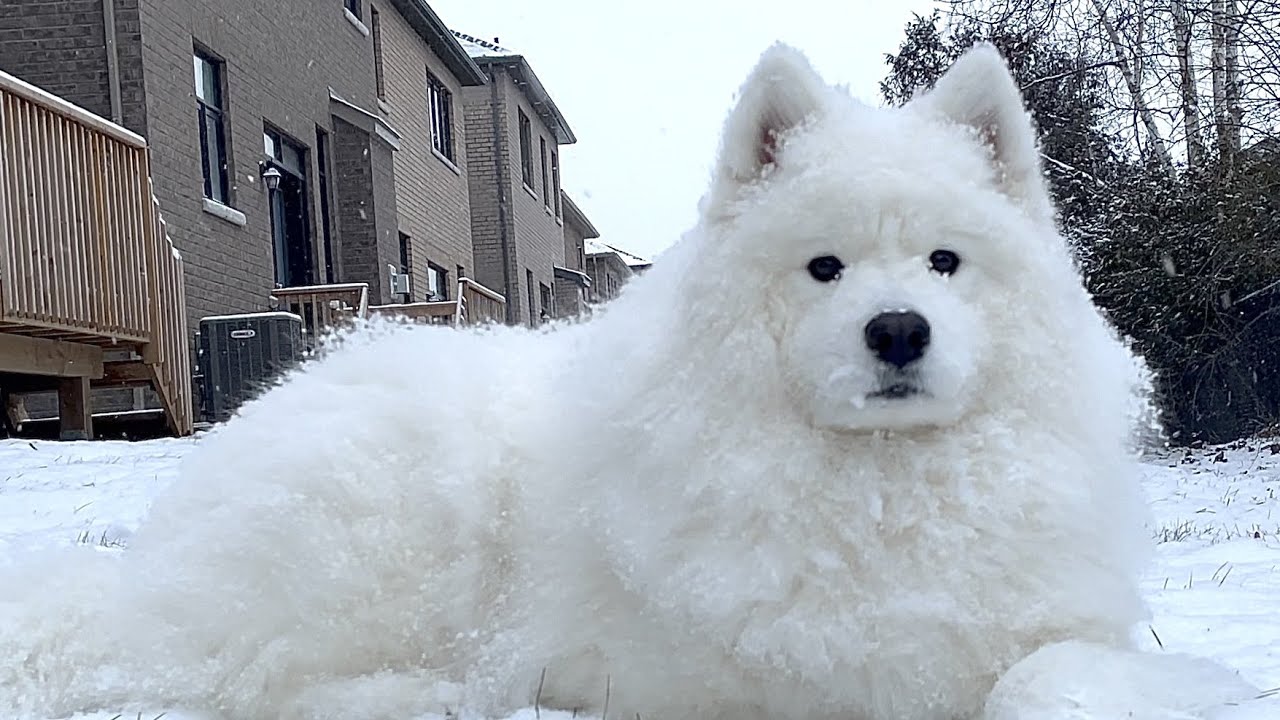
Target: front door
{"type": "Point", "coordinates": [290, 219]}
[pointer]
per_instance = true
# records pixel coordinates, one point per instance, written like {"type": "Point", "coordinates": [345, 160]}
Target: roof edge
{"type": "Point", "coordinates": [370, 122]}
{"type": "Point", "coordinates": [528, 82]}
{"type": "Point", "coordinates": [442, 41]}
{"type": "Point", "coordinates": [574, 213]}
{"type": "Point", "coordinates": [536, 92]}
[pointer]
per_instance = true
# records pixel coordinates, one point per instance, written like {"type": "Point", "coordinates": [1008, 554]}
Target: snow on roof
{"type": "Point", "coordinates": [483, 52]}
{"type": "Point", "coordinates": [595, 247]}
{"type": "Point", "coordinates": [478, 48]}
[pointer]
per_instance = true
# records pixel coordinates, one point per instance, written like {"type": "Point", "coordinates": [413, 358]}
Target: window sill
{"type": "Point", "coordinates": [548, 211]}
{"type": "Point", "coordinates": [532, 193]}
{"type": "Point", "coordinates": [447, 162]}
{"type": "Point", "coordinates": [355, 22]}
{"type": "Point", "coordinates": [222, 212]}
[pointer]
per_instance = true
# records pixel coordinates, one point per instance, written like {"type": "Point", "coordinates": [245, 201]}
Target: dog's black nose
{"type": "Point", "coordinates": [898, 338]}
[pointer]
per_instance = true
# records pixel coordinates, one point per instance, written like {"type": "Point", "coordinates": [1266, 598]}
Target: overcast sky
{"type": "Point", "coordinates": [646, 85]}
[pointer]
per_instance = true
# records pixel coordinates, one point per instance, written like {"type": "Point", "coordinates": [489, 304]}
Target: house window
{"type": "Point", "coordinates": [440, 105]}
{"type": "Point", "coordinates": [213, 137]}
{"type": "Point", "coordinates": [375, 29]}
{"type": "Point", "coordinates": [547, 303]}
{"type": "Point", "coordinates": [353, 7]}
{"type": "Point", "coordinates": [526, 157]}
{"type": "Point", "coordinates": [437, 283]}
{"type": "Point", "coordinates": [555, 179]}
{"type": "Point", "coordinates": [326, 229]}
{"type": "Point", "coordinates": [546, 195]}
{"type": "Point", "coordinates": [528, 287]}
{"type": "Point", "coordinates": [406, 265]}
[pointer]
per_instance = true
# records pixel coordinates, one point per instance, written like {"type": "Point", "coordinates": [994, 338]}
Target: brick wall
{"type": "Point", "coordinates": [356, 208]}
{"type": "Point", "coordinates": [432, 198]}
{"type": "Point", "coordinates": [133, 97]}
{"type": "Point", "coordinates": [60, 46]}
{"type": "Point", "coordinates": [608, 273]}
{"type": "Point", "coordinates": [539, 235]}
{"type": "Point", "coordinates": [281, 58]}
{"type": "Point", "coordinates": [574, 246]}
{"type": "Point", "coordinates": [570, 300]}
{"type": "Point", "coordinates": [489, 184]}
{"type": "Point", "coordinates": [536, 236]}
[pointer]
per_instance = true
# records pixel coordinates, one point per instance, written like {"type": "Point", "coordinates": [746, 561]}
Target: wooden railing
{"type": "Point", "coordinates": [84, 253]}
{"type": "Point", "coordinates": [481, 305]}
{"type": "Point", "coordinates": [328, 308]}
{"type": "Point", "coordinates": [324, 308]}
{"type": "Point", "coordinates": [445, 312]}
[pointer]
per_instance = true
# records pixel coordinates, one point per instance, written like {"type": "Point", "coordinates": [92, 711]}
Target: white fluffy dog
{"type": "Point", "coordinates": [852, 449]}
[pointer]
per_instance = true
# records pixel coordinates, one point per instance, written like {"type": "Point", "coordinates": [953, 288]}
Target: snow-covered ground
{"type": "Point", "coordinates": [1214, 588]}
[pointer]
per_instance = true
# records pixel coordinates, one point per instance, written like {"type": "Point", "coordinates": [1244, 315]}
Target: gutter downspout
{"type": "Point", "coordinates": [113, 59]}
{"type": "Point", "coordinates": [500, 167]}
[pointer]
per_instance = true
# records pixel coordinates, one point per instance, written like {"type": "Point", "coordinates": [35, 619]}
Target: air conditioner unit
{"type": "Point", "coordinates": [399, 281]}
{"type": "Point", "coordinates": [241, 356]}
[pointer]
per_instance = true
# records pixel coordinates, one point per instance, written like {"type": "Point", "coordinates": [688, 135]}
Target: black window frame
{"type": "Point", "coordinates": [555, 181]}
{"type": "Point", "coordinates": [379, 73]}
{"type": "Point", "coordinates": [211, 118]}
{"type": "Point", "coordinates": [442, 282]}
{"type": "Point", "coordinates": [322, 180]}
{"type": "Point", "coordinates": [546, 302]}
{"type": "Point", "coordinates": [355, 7]}
{"type": "Point", "coordinates": [528, 282]}
{"type": "Point", "coordinates": [440, 111]}
{"type": "Point", "coordinates": [546, 187]}
{"type": "Point", "coordinates": [526, 150]}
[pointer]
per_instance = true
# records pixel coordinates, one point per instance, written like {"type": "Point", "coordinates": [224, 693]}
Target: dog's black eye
{"type": "Point", "coordinates": [825, 268]}
{"type": "Point", "coordinates": [944, 261]}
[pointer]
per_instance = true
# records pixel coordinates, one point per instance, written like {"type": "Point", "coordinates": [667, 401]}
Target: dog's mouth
{"type": "Point", "coordinates": [896, 391]}
{"type": "Point", "coordinates": [897, 386]}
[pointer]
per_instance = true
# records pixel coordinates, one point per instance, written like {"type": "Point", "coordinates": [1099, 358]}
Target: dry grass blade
{"type": "Point", "coordinates": [1156, 636]}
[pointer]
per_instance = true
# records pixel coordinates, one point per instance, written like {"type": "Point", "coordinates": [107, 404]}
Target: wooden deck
{"type": "Point", "coordinates": [91, 288]}
{"type": "Point", "coordinates": [327, 309]}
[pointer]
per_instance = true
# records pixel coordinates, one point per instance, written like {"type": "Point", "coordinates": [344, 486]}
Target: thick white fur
{"type": "Point", "coordinates": [686, 504]}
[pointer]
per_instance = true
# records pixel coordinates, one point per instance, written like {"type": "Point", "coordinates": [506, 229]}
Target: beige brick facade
{"type": "Point", "coordinates": [517, 226]}
{"type": "Point", "coordinates": [573, 284]}
{"type": "Point", "coordinates": [432, 196]}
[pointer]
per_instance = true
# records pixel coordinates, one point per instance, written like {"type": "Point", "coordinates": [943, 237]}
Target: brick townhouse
{"type": "Point", "coordinates": [231, 92]}
{"type": "Point", "coordinates": [421, 71]}
{"type": "Point", "coordinates": [572, 281]}
{"type": "Point", "coordinates": [514, 135]}
{"type": "Point", "coordinates": [609, 269]}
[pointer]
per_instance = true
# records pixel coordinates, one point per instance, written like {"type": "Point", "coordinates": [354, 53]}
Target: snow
{"type": "Point", "coordinates": [595, 247]}
{"type": "Point", "coordinates": [1213, 585]}
{"type": "Point", "coordinates": [252, 316]}
{"type": "Point", "coordinates": [478, 48]}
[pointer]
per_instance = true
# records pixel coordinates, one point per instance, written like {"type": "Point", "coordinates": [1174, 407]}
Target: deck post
{"type": "Point", "coordinates": [75, 415]}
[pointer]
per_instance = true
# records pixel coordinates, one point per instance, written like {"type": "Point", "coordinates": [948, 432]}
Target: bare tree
{"type": "Point", "coordinates": [1131, 78]}
{"type": "Point", "coordinates": [1187, 84]}
{"type": "Point", "coordinates": [1185, 79]}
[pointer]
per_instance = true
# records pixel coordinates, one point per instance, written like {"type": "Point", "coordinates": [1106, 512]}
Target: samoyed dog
{"type": "Point", "coordinates": [858, 447]}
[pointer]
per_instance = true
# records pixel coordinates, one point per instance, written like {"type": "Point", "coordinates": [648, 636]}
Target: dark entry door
{"type": "Point", "coordinates": [290, 220]}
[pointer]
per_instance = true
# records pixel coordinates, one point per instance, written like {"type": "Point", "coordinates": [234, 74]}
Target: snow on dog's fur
{"type": "Point", "coordinates": [725, 496]}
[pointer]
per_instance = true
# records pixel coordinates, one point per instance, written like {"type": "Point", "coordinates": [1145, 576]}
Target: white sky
{"type": "Point", "coordinates": [646, 85]}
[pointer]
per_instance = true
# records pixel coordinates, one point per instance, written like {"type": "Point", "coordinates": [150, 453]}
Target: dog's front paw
{"type": "Point", "coordinates": [1085, 681]}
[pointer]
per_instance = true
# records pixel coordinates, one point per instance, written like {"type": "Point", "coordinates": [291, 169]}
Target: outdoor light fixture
{"type": "Point", "coordinates": [271, 177]}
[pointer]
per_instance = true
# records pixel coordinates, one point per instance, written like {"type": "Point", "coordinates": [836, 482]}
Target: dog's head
{"type": "Point", "coordinates": [905, 261]}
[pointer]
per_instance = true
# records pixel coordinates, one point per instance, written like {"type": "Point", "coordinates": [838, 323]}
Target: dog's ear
{"type": "Point", "coordinates": [979, 92]}
{"type": "Point", "coordinates": [782, 92]}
